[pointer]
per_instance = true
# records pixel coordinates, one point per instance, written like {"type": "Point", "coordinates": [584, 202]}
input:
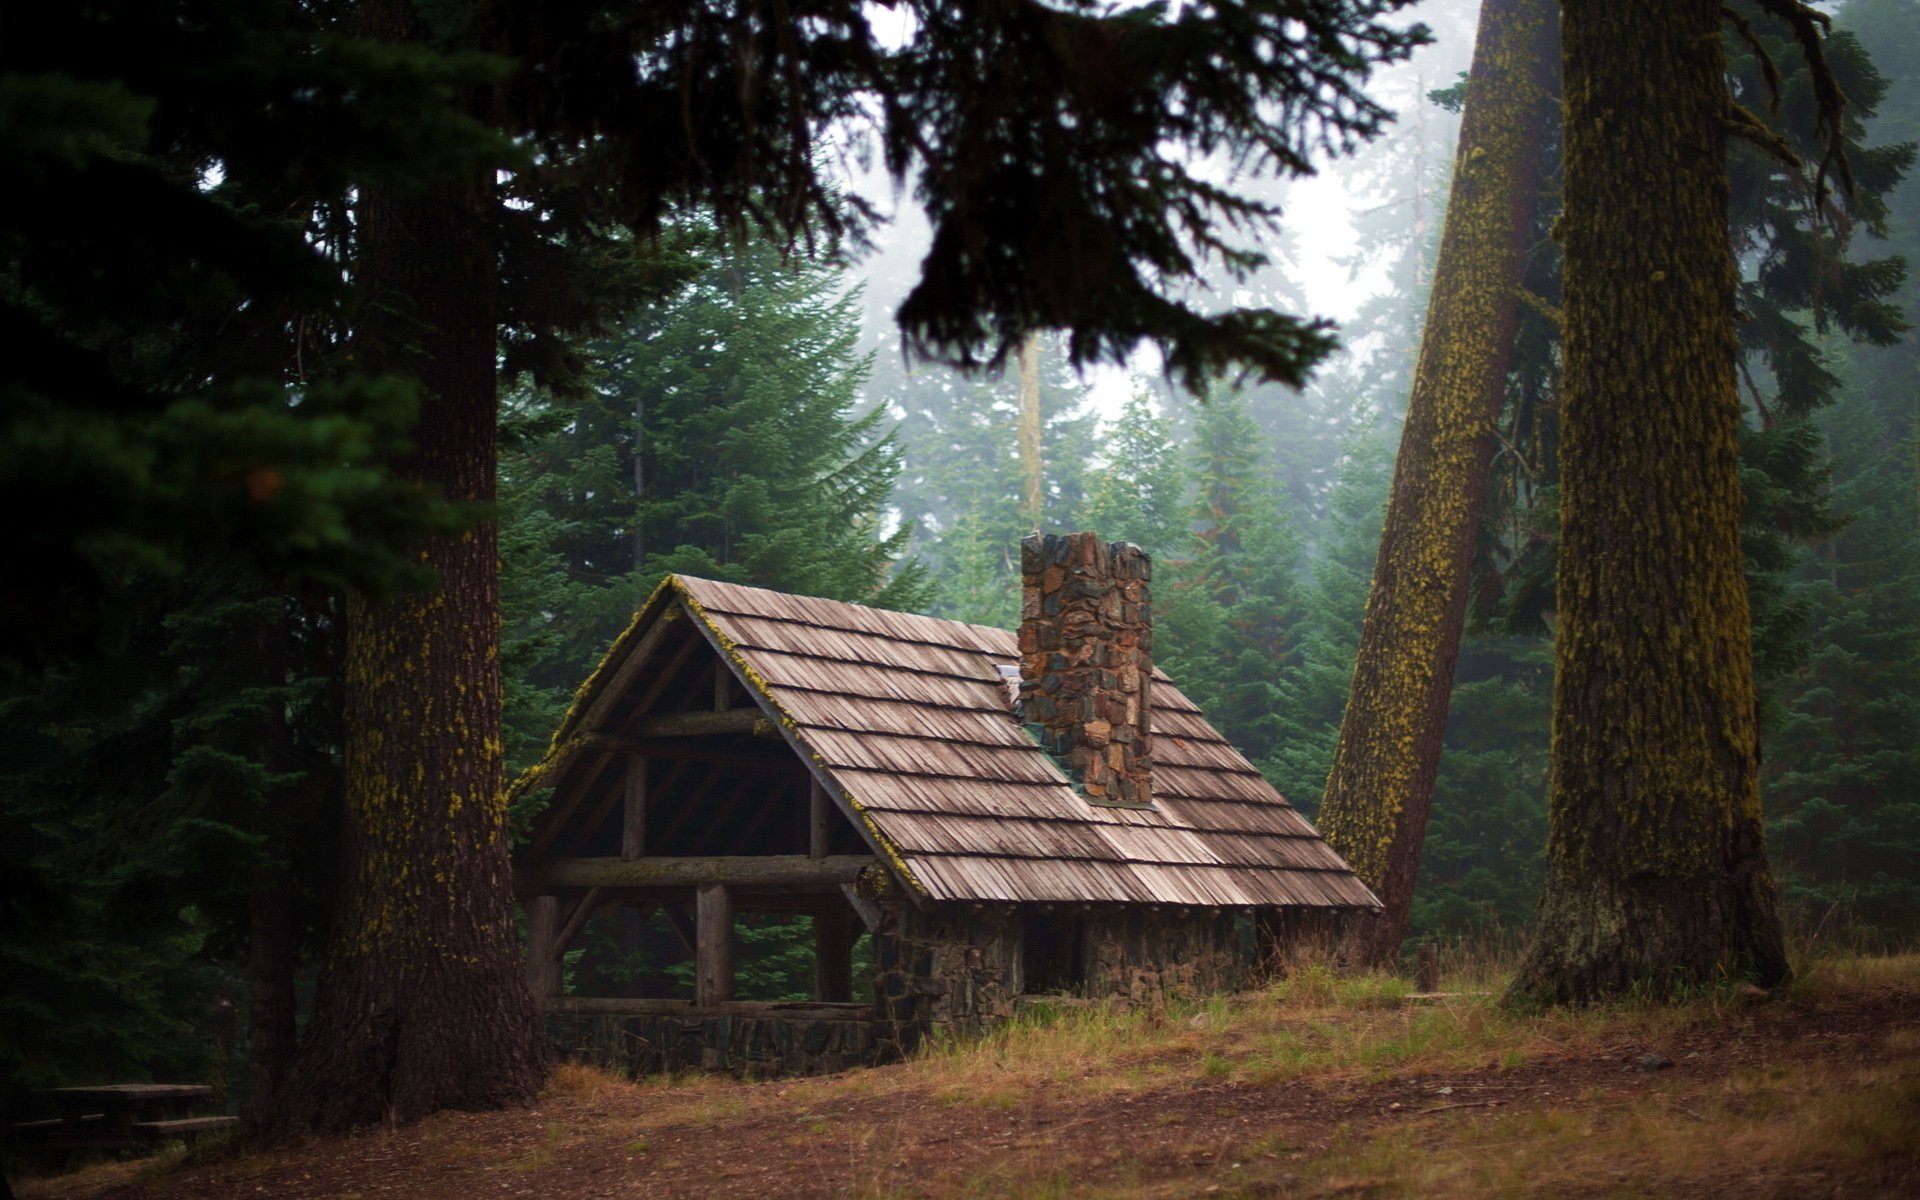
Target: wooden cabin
{"type": "Point", "coordinates": [1003, 815]}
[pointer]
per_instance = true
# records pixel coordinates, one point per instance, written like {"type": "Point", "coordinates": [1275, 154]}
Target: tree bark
{"type": "Point", "coordinates": [422, 1002]}
{"type": "Point", "coordinates": [1380, 788]}
{"type": "Point", "coordinates": [1031, 471]}
{"type": "Point", "coordinates": [1657, 876]}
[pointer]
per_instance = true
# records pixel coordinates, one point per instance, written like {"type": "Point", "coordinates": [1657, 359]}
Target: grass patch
{"type": "Point", "coordinates": [1789, 1125]}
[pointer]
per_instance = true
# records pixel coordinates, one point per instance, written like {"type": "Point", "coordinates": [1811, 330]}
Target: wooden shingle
{"type": "Point", "coordinates": [905, 718]}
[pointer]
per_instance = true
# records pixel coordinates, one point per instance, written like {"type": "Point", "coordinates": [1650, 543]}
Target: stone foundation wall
{"type": "Point", "coordinates": [747, 1044]}
{"type": "Point", "coordinates": [962, 972]}
{"type": "Point", "coordinates": [956, 972]}
{"type": "Point", "coordinates": [1148, 957]}
{"type": "Point", "coordinates": [952, 972]}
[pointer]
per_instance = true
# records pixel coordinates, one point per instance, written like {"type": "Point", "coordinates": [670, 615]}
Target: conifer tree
{"type": "Point", "coordinates": [963, 490]}
{"type": "Point", "coordinates": [1139, 493]}
{"type": "Point", "coordinates": [1229, 620]}
{"type": "Point", "coordinates": [1842, 770]}
{"type": "Point", "coordinates": [1380, 790]}
{"type": "Point", "coordinates": [1044, 136]}
{"type": "Point", "coordinates": [1657, 875]}
{"type": "Point", "coordinates": [1312, 697]}
{"type": "Point", "coordinates": [719, 440]}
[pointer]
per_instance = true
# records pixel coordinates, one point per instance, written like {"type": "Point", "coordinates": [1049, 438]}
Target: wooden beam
{"type": "Point", "coordinates": [693, 749]}
{"type": "Point", "coordinates": [749, 720]}
{"type": "Point", "coordinates": [833, 957]}
{"type": "Point", "coordinates": [722, 685]}
{"type": "Point", "coordinates": [581, 914]}
{"type": "Point", "coordinates": [821, 818]}
{"type": "Point", "coordinates": [768, 870]}
{"type": "Point", "coordinates": [667, 622]}
{"type": "Point", "coordinates": [713, 945]}
{"type": "Point", "coordinates": [868, 910]}
{"type": "Point", "coordinates": [633, 819]}
{"type": "Point", "coordinates": [543, 955]}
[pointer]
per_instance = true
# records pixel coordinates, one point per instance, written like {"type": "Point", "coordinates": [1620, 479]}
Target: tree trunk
{"type": "Point", "coordinates": [1380, 788]}
{"type": "Point", "coordinates": [1029, 428]}
{"type": "Point", "coordinates": [1656, 875]}
{"type": "Point", "coordinates": [422, 1003]}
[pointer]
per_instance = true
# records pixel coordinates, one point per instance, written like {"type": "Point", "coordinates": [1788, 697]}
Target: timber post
{"type": "Point", "coordinates": [543, 946]}
{"type": "Point", "coordinates": [633, 816]}
{"type": "Point", "coordinates": [820, 820]}
{"type": "Point", "coordinates": [713, 945]}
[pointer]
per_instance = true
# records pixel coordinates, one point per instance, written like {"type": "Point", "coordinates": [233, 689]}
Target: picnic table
{"type": "Point", "coordinates": [121, 1116]}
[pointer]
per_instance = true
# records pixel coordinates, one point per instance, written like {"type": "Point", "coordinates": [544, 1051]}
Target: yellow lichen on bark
{"type": "Point", "coordinates": [1375, 805]}
{"type": "Point", "coordinates": [1656, 866]}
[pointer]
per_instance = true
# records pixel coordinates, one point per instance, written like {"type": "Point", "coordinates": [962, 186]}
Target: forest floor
{"type": "Point", "coordinates": [1316, 1087]}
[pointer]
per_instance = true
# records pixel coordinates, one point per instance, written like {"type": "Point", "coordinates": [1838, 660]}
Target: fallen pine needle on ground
{"type": "Point", "coordinates": [1315, 1087]}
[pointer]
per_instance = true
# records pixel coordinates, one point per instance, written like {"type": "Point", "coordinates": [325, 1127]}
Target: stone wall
{"type": "Point", "coordinates": [966, 970]}
{"type": "Point", "coordinates": [1086, 661]}
{"type": "Point", "coordinates": [952, 971]}
{"type": "Point", "coordinates": [1151, 956]}
{"type": "Point", "coordinates": [955, 971]}
{"type": "Point", "coordinates": [751, 1042]}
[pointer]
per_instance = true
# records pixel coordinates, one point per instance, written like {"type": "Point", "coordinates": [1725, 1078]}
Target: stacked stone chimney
{"type": "Point", "coordinates": [1086, 661]}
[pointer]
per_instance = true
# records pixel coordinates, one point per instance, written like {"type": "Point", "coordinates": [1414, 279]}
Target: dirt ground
{"type": "Point", "coordinates": [1742, 1103]}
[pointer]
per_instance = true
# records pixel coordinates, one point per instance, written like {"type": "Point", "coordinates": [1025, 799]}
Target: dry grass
{"type": "Point", "coordinates": [1790, 1127]}
{"type": "Point", "coordinates": [1180, 1100]}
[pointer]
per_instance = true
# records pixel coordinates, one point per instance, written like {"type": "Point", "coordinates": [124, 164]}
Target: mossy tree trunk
{"type": "Point", "coordinates": [422, 1003]}
{"type": "Point", "coordinates": [1657, 875]}
{"type": "Point", "coordinates": [1380, 788]}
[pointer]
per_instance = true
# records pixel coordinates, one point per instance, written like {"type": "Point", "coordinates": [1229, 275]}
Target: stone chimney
{"type": "Point", "coordinates": [1086, 661]}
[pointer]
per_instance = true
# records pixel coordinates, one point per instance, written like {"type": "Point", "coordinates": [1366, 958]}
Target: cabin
{"type": "Point", "coordinates": [966, 817]}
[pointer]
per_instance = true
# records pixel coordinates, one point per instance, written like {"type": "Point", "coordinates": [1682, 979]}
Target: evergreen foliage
{"type": "Point", "coordinates": [719, 440]}
{"type": "Point", "coordinates": [1312, 699]}
{"type": "Point", "coordinates": [961, 489]}
{"type": "Point", "coordinates": [1842, 771]}
{"type": "Point", "coordinates": [1239, 572]}
{"type": "Point", "coordinates": [152, 798]}
{"type": "Point", "coordinates": [171, 298]}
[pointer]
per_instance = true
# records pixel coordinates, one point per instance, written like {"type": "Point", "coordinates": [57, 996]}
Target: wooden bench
{"type": "Point", "coordinates": [183, 1126]}
{"type": "Point", "coordinates": [123, 1116]}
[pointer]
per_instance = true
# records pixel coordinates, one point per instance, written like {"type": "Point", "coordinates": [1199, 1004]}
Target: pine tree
{"type": "Point", "coordinates": [1227, 613]}
{"type": "Point", "coordinates": [1657, 873]}
{"type": "Point", "coordinates": [1312, 697]}
{"type": "Point", "coordinates": [1139, 492]}
{"type": "Point", "coordinates": [1843, 767]}
{"type": "Point", "coordinates": [182, 806]}
{"type": "Point", "coordinates": [418, 1007]}
{"type": "Point", "coordinates": [1380, 791]}
{"type": "Point", "coordinates": [1798, 277]}
{"type": "Point", "coordinates": [1842, 771]}
{"type": "Point", "coordinates": [719, 440]}
{"type": "Point", "coordinates": [962, 491]}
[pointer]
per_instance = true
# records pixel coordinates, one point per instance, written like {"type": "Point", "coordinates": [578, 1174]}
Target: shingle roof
{"type": "Point", "coordinates": [904, 719]}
